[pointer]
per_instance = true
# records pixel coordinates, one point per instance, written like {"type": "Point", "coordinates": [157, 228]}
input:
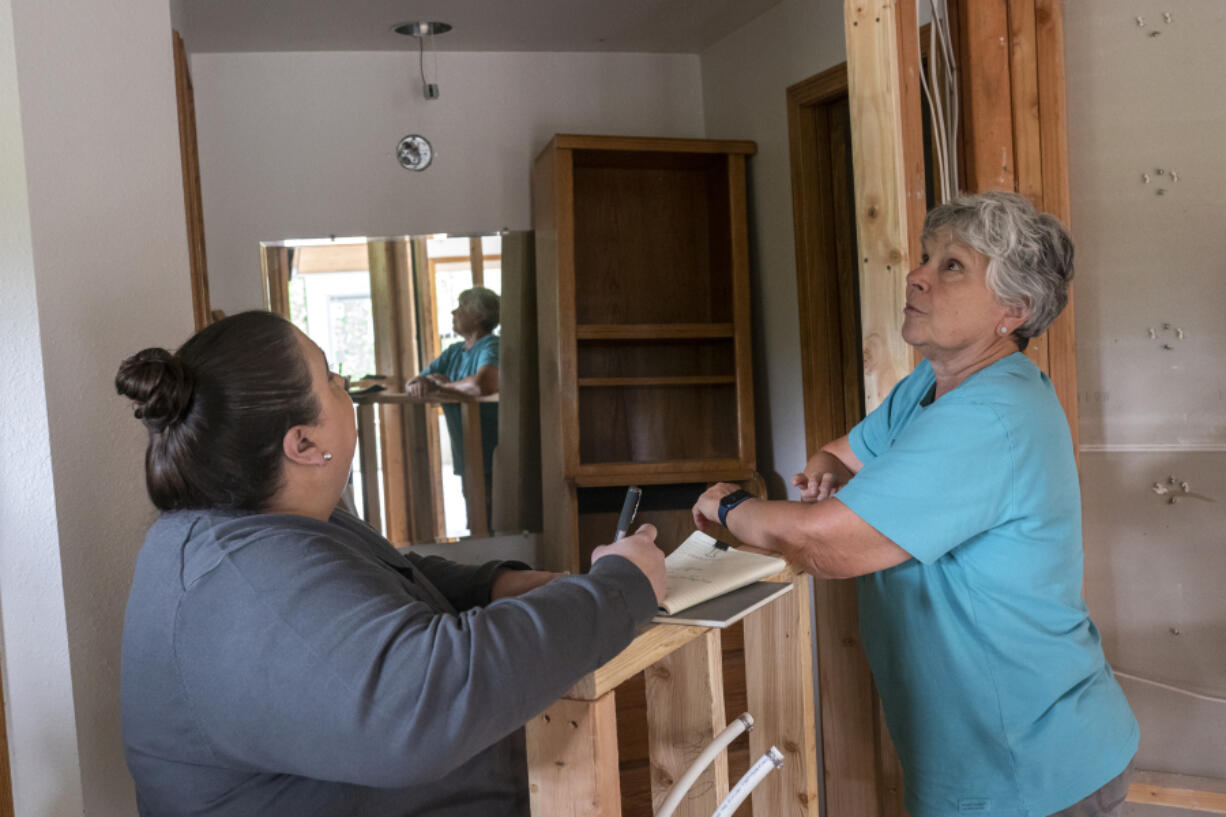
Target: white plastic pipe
{"type": "Point", "coordinates": [678, 791]}
{"type": "Point", "coordinates": [773, 759]}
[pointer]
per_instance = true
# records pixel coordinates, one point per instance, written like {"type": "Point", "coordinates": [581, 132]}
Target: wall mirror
{"type": "Point", "coordinates": [382, 310]}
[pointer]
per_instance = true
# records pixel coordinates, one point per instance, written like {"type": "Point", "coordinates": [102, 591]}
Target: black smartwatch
{"type": "Point", "coordinates": [731, 501]}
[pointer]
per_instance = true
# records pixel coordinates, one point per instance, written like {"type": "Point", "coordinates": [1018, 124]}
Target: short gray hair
{"type": "Point", "coordinates": [483, 304]}
{"type": "Point", "coordinates": [1030, 254]}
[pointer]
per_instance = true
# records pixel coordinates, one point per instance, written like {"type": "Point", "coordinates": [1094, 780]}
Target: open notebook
{"type": "Point", "coordinates": [711, 584]}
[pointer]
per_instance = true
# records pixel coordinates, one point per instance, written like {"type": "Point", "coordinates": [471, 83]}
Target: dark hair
{"type": "Point", "coordinates": [217, 411]}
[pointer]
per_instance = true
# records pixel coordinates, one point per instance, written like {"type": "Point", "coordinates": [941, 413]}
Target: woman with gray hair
{"type": "Point", "coordinates": [956, 504]}
{"type": "Point", "coordinates": [467, 368]}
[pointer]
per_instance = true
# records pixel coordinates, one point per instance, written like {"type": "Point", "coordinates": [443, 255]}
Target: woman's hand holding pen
{"type": "Point", "coordinates": [640, 548]}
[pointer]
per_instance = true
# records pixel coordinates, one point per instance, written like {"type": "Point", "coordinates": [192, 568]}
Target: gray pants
{"type": "Point", "coordinates": [1106, 802]}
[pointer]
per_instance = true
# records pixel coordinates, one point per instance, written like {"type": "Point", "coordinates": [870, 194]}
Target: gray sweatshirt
{"type": "Point", "coordinates": [277, 665]}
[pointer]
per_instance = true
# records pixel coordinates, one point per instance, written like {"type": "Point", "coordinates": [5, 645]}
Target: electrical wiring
{"type": "Point", "coordinates": [942, 100]}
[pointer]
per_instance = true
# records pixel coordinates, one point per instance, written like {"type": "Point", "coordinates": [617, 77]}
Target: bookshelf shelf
{"type": "Point", "coordinates": [679, 380]}
{"type": "Point", "coordinates": [643, 307]}
{"type": "Point", "coordinates": [653, 331]}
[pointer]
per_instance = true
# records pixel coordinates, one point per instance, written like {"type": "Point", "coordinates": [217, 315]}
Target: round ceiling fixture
{"type": "Point", "coordinates": [414, 152]}
{"type": "Point", "coordinates": [421, 28]}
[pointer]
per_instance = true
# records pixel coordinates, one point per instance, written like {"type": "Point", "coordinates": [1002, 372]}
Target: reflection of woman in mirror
{"type": "Point", "coordinates": [467, 368]}
{"type": "Point", "coordinates": [280, 657]}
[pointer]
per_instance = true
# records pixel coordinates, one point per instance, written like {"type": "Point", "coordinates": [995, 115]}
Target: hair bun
{"type": "Point", "coordinates": [159, 384]}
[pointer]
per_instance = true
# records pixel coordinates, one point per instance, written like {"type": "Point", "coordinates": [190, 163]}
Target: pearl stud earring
{"type": "Point", "coordinates": [1004, 330]}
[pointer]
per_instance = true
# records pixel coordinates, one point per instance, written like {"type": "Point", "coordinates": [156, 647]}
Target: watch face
{"type": "Point", "coordinates": [414, 152]}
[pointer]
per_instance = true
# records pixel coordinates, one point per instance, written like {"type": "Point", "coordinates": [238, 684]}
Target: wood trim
{"type": "Point", "coordinates": [6, 770]}
{"type": "Point", "coordinates": [738, 227]}
{"type": "Point", "coordinates": [552, 203]}
{"type": "Point", "coordinates": [275, 266]}
{"type": "Point", "coordinates": [193, 206]}
{"type": "Point", "coordinates": [1053, 128]}
{"type": "Point", "coordinates": [827, 369]}
{"type": "Point", "coordinates": [572, 141]}
{"type": "Point", "coordinates": [1178, 791]}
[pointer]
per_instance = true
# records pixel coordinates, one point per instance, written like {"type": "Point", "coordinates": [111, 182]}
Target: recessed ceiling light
{"type": "Point", "coordinates": [421, 28]}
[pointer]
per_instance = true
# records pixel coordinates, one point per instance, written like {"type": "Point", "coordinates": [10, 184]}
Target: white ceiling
{"type": "Point", "coordinates": [665, 26]}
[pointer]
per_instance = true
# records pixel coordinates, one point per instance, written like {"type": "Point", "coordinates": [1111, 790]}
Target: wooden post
{"type": "Point", "coordinates": [474, 469]}
{"type": "Point", "coordinates": [685, 711]}
{"type": "Point", "coordinates": [384, 263]}
{"type": "Point", "coordinates": [275, 264]}
{"type": "Point", "coordinates": [572, 759]}
{"type": "Point", "coordinates": [779, 687]}
{"type": "Point", "coordinates": [189, 154]}
{"type": "Point", "coordinates": [369, 451]}
{"type": "Point", "coordinates": [876, 31]}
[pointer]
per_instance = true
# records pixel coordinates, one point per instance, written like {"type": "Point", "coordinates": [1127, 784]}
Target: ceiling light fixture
{"type": "Point", "coordinates": [421, 30]}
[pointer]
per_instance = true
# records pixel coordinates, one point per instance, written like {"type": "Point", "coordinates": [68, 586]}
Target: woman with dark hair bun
{"type": "Point", "coordinates": [282, 658]}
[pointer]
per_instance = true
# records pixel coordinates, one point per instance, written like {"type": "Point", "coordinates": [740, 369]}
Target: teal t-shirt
{"type": "Point", "coordinates": [457, 363]}
{"type": "Point", "coordinates": [991, 673]}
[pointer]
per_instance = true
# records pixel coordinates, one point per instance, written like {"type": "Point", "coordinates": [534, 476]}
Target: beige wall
{"type": "Point", "coordinates": [1155, 571]}
{"type": "Point", "coordinates": [296, 145]}
{"type": "Point", "coordinates": [745, 78]}
{"type": "Point", "coordinates": [94, 219]}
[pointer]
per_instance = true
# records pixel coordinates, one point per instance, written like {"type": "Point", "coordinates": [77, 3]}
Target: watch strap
{"type": "Point", "coordinates": [731, 501]}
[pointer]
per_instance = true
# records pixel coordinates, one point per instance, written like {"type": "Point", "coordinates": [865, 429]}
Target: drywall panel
{"type": "Point", "coordinates": [1154, 587]}
{"type": "Point", "coordinates": [34, 660]}
{"type": "Point", "coordinates": [1145, 100]}
{"type": "Point", "coordinates": [109, 258]}
{"type": "Point", "coordinates": [297, 145]}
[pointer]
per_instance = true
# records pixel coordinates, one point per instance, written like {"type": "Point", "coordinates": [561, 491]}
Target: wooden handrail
{"type": "Point", "coordinates": [474, 460]}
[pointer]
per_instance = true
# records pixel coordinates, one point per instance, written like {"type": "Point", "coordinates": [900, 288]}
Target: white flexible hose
{"type": "Point", "coordinates": [682, 786]}
{"type": "Point", "coordinates": [773, 759]}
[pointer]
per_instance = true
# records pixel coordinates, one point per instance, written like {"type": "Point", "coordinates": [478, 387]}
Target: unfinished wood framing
{"type": "Point", "coordinates": [885, 147]}
{"type": "Point", "coordinates": [572, 759]}
{"type": "Point", "coordinates": [193, 206]}
{"type": "Point", "coordinates": [779, 689]}
{"type": "Point", "coordinates": [1014, 135]}
{"type": "Point", "coordinates": [573, 750]}
{"type": "Point", "coordinates": [685, 707]}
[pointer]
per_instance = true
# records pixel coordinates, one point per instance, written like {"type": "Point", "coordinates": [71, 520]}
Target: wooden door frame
{"type": "Point", "coordinates": [861, 776]}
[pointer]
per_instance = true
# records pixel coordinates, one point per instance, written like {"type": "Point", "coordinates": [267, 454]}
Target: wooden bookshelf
{"type": "Point", "coordinates": [643, 305]}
